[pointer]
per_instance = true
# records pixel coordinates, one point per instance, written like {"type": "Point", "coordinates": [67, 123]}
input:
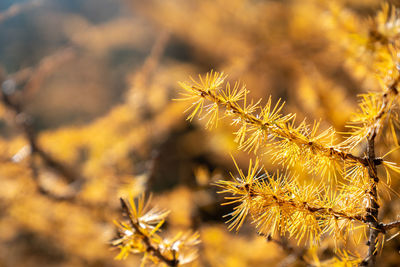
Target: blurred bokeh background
{"type": "Point", "coordinates": [91, 84]}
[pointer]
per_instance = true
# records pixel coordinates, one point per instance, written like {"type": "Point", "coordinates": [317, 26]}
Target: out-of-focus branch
{"type": "Point", "coordinates": [24, 120]}
{"type": "Point", "coordinates": [9, 98]}
{"type": "Point", "coordinates": [293, 253]}
{"type": "Point", "coordinates": [151, 62]}
{"type": "Point", "coordinates": [391, 225]}
{"type": "Point", "coordinates": [35, 76]}
{"type": "Point", "coordinates": [15, 9]}
{"type": "Point", "coordinates": [140, 80]}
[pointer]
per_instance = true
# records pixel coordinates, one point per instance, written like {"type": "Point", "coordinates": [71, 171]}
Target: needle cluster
{"type": "Point", "coordinates": [140, 235]}
{"type": "Point", "coordinates": [279, 205]}
{"type": "Point", "coordinates": [261, 127]}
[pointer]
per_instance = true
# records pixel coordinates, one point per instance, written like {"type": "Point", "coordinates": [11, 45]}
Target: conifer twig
{"type": "Point", "coordinates": [140, 235]}
{"type": "Point", "coordinates": [150, 248]}
{"type": "Point", "coordinates": [282, 130]}
{"type": "Point", "coordinates": [280, 205]}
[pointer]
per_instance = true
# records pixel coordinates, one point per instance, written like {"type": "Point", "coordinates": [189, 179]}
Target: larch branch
{"type": "Point", "coordinates": [150, 247]}
{"type": "Point", "coordinates": [278, 129]}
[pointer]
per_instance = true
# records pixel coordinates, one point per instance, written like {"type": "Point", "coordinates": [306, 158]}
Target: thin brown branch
{"type": "Point", "coordinates": [150, 247]}
{"type": "Point", "coordinates": [324, 211]}
{"type": "Point", "coordinates": [373, 209]}
{"type": "Point", "coordinates": [388, 226]}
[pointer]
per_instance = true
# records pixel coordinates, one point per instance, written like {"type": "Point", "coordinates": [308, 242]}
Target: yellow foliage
{"type": "Point", "coordinates": [87, 117]}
